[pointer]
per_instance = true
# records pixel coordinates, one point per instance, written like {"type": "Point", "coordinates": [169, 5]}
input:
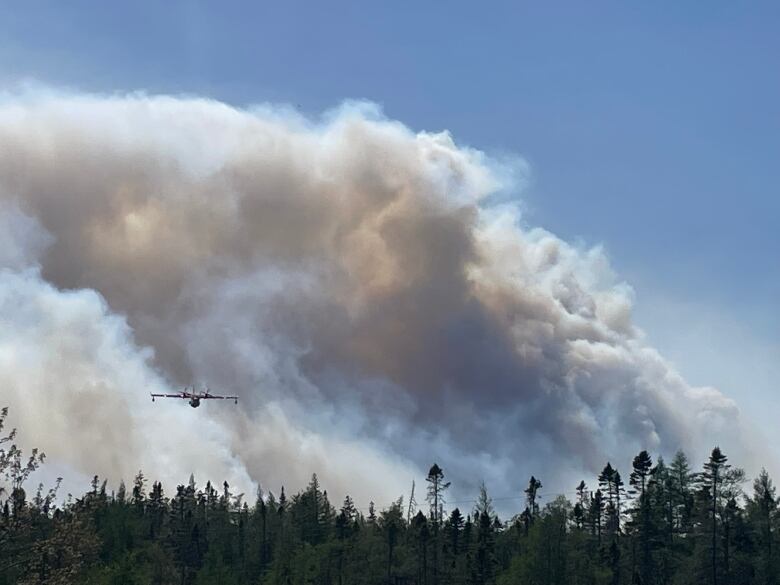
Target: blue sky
{"type": "Point", "coordinates": [653, 128]}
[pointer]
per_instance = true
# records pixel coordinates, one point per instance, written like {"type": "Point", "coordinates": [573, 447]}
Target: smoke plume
{"type": "Point", "coordinates": [372, 295]}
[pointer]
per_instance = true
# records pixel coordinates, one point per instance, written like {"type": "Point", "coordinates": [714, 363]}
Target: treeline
{"type": "Point", "coordinates": [667, 524]}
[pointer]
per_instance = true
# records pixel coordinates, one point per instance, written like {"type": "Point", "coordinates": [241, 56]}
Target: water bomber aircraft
{"type": "Point", "coordinates": [194, 397]}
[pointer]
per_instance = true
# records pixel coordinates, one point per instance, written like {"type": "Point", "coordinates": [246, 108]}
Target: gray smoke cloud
{"type": "Point", "coordinates": [371, 293]}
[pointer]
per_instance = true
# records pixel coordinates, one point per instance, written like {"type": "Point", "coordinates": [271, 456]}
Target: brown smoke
{"type": "Point", "coordinates": [353, 281]}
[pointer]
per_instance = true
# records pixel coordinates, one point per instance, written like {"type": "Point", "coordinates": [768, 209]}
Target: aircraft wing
{"type": "Point", "coordinates": [218, 397]}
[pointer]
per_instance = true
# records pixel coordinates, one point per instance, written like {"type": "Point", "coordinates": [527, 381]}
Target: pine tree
{"type": "Point", "coordinates": [436, 488]}
{"type": "Point", "coordinates": [719, 482]}
{"type": "Point", "coordinates": [391, 524]}
{"type": "Point", "coordinates": [139, 493]}
{"type": "Point", "coordinates": [611, 483]}
{"type": "Point", "coordinates": [711, 479]}
{"type": "Point", "coordinates": [581, 505]}
{"type": "Point", "coordinates": [595, 514]}
{"type": "Point", "coordinates": [642, 469]}
{"type": "Point", "coordinates": [485, 559]}
{"type": "Point", "coordinates": [762, 510]}
{"type": "Point", "coordinates": [682, 493]}
{"type": "Point", "coordinates": [530, 493]}
{"type": "Point", "coordinates": [455, 525]}
{"type": "Point", "coordinates": [662, 505]}
{"type": "Point", "coordinates": [420, 527]}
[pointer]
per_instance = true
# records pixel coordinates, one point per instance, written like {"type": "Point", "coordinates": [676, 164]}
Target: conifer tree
{"type": "Point", "coordinates": [642, 469]}
{"type": "Point", "coordinates": [436, 488]}
{"type": "Point", "coordinates": [455, 525]}
{"type": "Point", "coordinates": [596, 514]}
{"type": "Point", "coordinates": [581, 505]}
{"type": "Point", "coordinates": [719, 481]}
{"type": "Point", "coordinates": [530, 493]}
{"type": "Point", "coordinates": [422, 533]}
{"type": "Point", "coordinates": [762, 511]}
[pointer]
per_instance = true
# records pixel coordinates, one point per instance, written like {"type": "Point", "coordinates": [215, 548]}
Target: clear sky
{"type": "Point", "coordinates": [650, 127]}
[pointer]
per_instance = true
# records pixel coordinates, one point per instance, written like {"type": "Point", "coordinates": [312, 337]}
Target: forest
{"type": "Point", "coordinates": [665, 523]}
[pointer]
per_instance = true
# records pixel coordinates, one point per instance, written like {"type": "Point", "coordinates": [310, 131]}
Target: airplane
{"type": "Point", "coordinates": [195, 397]}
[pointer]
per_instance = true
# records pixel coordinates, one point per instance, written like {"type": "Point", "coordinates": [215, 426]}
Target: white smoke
{"type": "Point", "coordinates": [357, 284]}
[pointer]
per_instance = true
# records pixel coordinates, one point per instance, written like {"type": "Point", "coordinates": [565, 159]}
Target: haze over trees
{"type": "Point", "coordinates": [674, 523]}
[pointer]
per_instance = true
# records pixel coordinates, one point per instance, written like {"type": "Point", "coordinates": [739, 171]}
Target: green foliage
{"type": "Point", "coordinates": [674, 527]}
